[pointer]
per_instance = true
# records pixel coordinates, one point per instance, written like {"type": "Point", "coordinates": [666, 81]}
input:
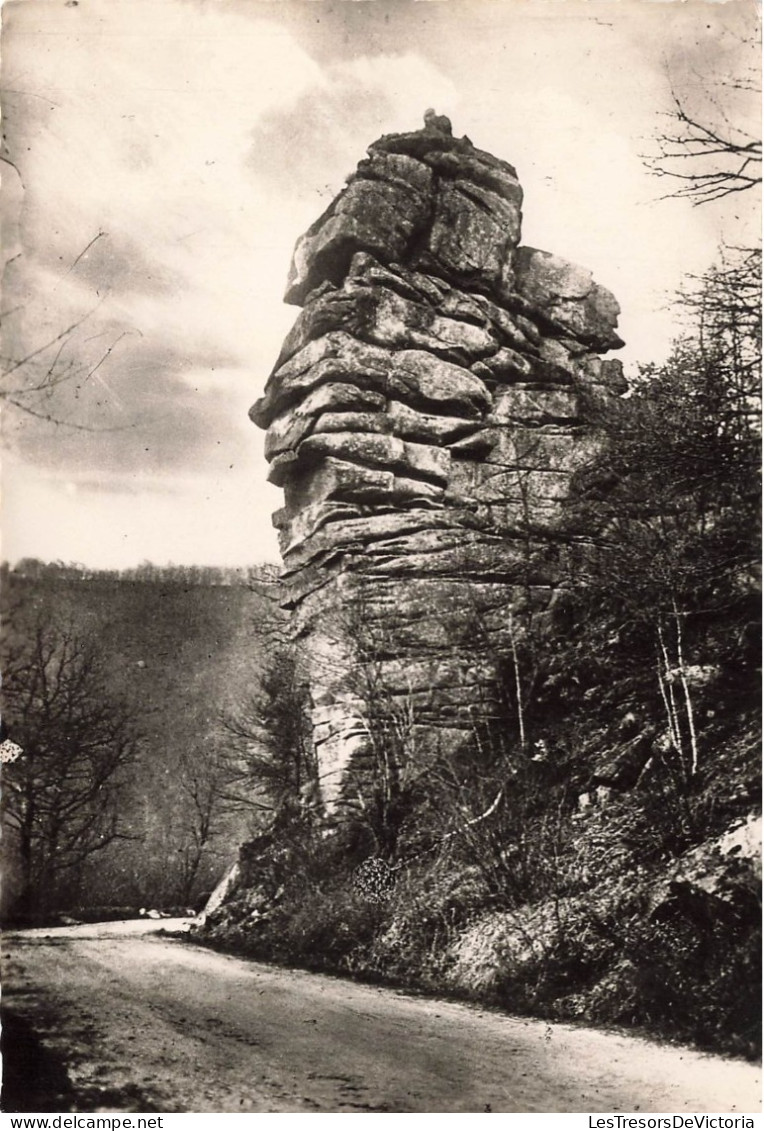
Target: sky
{"type": "Point", "coordinates": [165, 155]}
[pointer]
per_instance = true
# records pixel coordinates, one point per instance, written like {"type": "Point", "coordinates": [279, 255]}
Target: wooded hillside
{"type": "Point", "coordinates": [164, 655]}
{"type": "Point", "coordinates": [593, 851]}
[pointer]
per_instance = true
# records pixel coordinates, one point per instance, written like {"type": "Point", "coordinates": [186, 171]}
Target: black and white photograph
{"type": "Point", "coordinates": [381, 587]}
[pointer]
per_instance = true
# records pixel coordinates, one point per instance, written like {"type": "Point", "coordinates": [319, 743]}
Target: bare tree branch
{"type": "Point", "coordinates": [708, 158]}
{"type": "Point", "coordinates": [61, 795]}
{"type": "Point", "coordinates": [26, 382]}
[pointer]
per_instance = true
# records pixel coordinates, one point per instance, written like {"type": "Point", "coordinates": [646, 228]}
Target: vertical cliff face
{"type": "Point", "coordinates": [424, 421]}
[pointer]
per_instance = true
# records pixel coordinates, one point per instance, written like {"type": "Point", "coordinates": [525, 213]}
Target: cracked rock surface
{"type": "Point", "coordinates": [424, 419]}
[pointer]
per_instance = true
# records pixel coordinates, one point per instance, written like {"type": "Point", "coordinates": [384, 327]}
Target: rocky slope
{"type": "Point", "coordinates": [522, 609]}
{"type": "Point", "coordinates": [424, 419]}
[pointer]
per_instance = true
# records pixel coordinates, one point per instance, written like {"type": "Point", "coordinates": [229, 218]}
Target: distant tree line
{"type": "Point", "coordinates": [35, 570]}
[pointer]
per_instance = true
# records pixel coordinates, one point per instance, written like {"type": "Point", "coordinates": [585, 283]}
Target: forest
{"type": "Point", "coordinates": [120, 687]}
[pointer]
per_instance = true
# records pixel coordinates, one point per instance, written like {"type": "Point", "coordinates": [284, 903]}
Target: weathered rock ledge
{"type": "Point", "coordinates": [424, 420]}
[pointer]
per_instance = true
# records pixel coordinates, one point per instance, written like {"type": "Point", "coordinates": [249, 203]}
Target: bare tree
{"type": "Point", "coordinates": [708, 154]}
{"type": "Point", "coordinates": [672, 574]}
{"type": "Point", "coordinates": [30, 381]}
{"type": "Point", "coordinates": [731, 156]}
{"type": "Point", "coordinates": [61, 794]}
{"type": "Point", "coordinates": [201, 782]}
{"type": "Point", "coordinates": [724, 306]}
{"type": "Point", "coordinates": [384, 775]}
{"type": "Point", "coordinates": [35, 371]}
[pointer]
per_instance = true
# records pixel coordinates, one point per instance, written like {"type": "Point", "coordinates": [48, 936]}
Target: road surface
{"type": "Point", "coordinates": [149, 1023]}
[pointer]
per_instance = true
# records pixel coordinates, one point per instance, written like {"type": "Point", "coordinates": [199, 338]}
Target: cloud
{"type": "Point", "coordinates": [129, 129]}
{"type": "Point", "coordinates": [203, 138]}
{"type": "Point", "coordinates": [185, 520]}
{"type": "Point", "coordinates": [140, 148]}
{"type": "Point", "coordinates": [112, 262]}
{"type": "Point", "coordinates": [301, 146]}
{"type": "Point", "coordinates": [148, 406]}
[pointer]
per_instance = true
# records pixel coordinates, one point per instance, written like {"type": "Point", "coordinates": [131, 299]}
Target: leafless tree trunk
{"type": "Point", "coordinates": [61, 795]}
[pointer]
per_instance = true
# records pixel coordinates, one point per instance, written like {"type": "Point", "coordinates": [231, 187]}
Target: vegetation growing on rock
{"type": "Point", "coordinates": [524, 614]}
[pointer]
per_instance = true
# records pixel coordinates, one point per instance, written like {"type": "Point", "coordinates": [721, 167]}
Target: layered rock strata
{"type": "Point", "coordinates": [424, 420]}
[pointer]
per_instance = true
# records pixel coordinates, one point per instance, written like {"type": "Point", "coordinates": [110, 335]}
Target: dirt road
{"type": "Point", "coordinates": [150, 1023]}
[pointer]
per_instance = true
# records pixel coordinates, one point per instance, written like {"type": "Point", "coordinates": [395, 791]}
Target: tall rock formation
{"type": "Point", "coordinates": [424, 420]}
